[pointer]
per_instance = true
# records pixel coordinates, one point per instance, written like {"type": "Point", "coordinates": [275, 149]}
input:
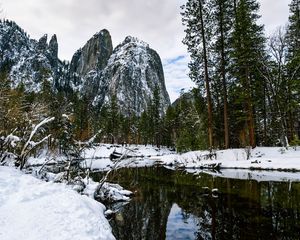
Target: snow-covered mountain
{"type": "Point", "coordinates": [27, 61]}
{"type": "Point", "coordinates": [133, 72]}
{"type": "Point", "coordinates": [130, 72]}
{"type": "Point", "coordinates": [88, 63]}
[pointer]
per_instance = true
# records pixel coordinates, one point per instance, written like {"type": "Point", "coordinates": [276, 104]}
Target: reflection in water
{"type": "Point", "coordinates": [177, 205]}
{"type": "Point", "coordinates": [180, 225]}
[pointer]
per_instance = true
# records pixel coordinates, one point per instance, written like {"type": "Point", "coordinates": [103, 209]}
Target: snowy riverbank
{"type": "Point", "coordinates": [31, 209]}
{"type": "Point", "coordinates": [260, 158]}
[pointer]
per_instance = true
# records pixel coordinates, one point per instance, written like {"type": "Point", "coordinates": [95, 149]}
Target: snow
{"type": "Point", "coordinates": [114, 193]}
{"type": "Point", "coordinates": [12, 140]}
{"type": "Point", "coordinates": [261, 158]}
{"type": "Point", "coordinates": [98, 157]}
{"type": "Point", "coordinates": [259, 176]}
{"type": "Point", "coordinates": [104, 150]}
{"type": "Point", "coordinates": [31, 209]}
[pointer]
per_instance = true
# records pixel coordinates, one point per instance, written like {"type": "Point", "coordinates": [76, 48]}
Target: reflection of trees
{"type": "Point", "coordinates": [243, 210]}
{"type": "Point", "coordinates": [145, 217]}
{"type": "Point", "coordinates": [259, 211]}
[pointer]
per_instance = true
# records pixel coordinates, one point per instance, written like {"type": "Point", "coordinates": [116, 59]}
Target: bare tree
{"type": "Point", "coordinates": [29, 144]}
{"type": "Point", "coordinates": [274, 75]}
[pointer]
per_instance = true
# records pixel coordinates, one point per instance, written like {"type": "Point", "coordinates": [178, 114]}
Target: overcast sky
{"type": "Point", "coordinates": [157, 22]}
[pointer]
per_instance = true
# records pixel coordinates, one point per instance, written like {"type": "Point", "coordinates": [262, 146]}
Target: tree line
{"type": "Point", "coordinates": [75, 120]}
{"type": "Point", "coordinates": [250, 83]}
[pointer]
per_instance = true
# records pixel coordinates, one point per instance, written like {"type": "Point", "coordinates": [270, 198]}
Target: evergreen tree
{"type": "Point", "coordinates": [197, 21]}
{"type": "Point", "coordinates": [274, 73]}
{"type": "Point", "coordinates": [189, 134]}
{"type": "Point", "coordinates": [293, 68]}
{"type": "Point", "coordinates": [223, 18]}
{"type": "Point", "coordinates": [247, 49]}
{"type": "Point", "coordinates": [156, 116]}
{"type": "Point", "coordinates": [169, 127]}
{"type": "Point", "coordinates": [144, 127]}
{"type": "Point", "coordinates": [113, 119]}
{"type": "Point", "coordinates": [81, 115]}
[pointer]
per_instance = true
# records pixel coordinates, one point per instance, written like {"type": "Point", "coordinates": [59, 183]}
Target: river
{"type": "Point", "coordinates": [179, 205]}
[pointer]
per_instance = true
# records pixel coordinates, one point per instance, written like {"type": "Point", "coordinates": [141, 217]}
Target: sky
{"type": "Point", "coordinates": [157, 22]}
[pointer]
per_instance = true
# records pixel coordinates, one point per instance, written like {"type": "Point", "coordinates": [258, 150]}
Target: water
{"type": "Point", "coordinates": [177, 205]}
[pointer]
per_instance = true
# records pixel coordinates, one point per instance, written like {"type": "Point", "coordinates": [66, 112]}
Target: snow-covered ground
{"type": "Point", "coordinates": [261, 158]}
{"type": "Point", "coordinates": [104, 150]}
{"type": "Point", "coordinates": [233, 162]}
{"type": "Point", "coordinates": [97, 158]}
{"type": "Point", "coordinates": [31, 209]}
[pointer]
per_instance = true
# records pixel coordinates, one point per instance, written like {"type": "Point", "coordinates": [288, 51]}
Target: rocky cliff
{"type": "Point", "coordinates": [133, 72]}
{"type": "Point", "coordinates": [130, 72]}
{"type": "Point", "coordinates": [89, 62]}
{"type": "Point", "coordinates": [26, 61]}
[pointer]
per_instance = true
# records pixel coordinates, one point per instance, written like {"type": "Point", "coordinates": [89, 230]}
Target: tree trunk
{"type": "Point", "coordinates": [249, 109]}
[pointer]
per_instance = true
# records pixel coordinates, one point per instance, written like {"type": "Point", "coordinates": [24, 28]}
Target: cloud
{"type": "Point", "coordinates": [74, 21]}
{"type": "Point", "coordinates": [274, 13]}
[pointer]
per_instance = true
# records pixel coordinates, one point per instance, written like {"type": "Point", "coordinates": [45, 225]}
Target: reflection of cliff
{"type": "Point", "coordinates": [243, 209]}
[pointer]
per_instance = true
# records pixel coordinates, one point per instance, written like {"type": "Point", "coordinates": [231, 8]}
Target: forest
{"type": "Point", "coordinates": [248, 91]}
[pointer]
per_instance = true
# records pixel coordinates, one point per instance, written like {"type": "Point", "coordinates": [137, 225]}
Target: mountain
{"type": "Point", "coordinates": [27, 61]}
{"type": "Point", "coordinates": [88, 63]}
{"type": "Point", "coordinates": [131, 72]}
{"type": "Point", "coordinates": [188, 97]}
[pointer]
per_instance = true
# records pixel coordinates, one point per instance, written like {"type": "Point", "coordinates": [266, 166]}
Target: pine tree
{"type": "Point", "coordinates": [113, 119]}
{"type": "Point", "coordinates": [196, 19]}
{"type": "Point", "coordinates": [189, 122]}
{"type": "Point", "coordinates": [293, 68]}
{"type": "Point", "coordinates": [156, 116]}
{"type": "Point", "coordinates": [169, 127]}
{"type": "Point", "coordinates": [293, 33]}
{"type": "Point", "coordinates": [248, 48]}
{"type": "Point", "coordinates": [144, 127]}
{"type": "Point", "coordinates": [223, 19]}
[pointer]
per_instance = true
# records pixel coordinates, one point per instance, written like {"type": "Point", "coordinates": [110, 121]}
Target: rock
{"type": "Point", "coordinates": [133, 72]}
{"type": "Point", "coordinates": [215, 190]}
{"type": "Point", "coordinates": [53, 52]}
{"type": "Point", "coordinates": [42, 43]}
{"type": "Point", "coordinates": [109, 214]}
{"type": "Point", "coordinates": [27, 61]}
{"type": "Point", "coordinates": [110, 193]}
{"type": "Point", "coordinates": [205, 190]}
{"type": "Point", "coordinates": [88, 63]}
{"type": "Point", "coordinates": [215, 193]}
{"type": "Point", "coordinates": [53, 47]}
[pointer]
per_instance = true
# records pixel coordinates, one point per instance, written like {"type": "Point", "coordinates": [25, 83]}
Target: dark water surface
{"type": "Point", "coordinates": [177, 205]}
